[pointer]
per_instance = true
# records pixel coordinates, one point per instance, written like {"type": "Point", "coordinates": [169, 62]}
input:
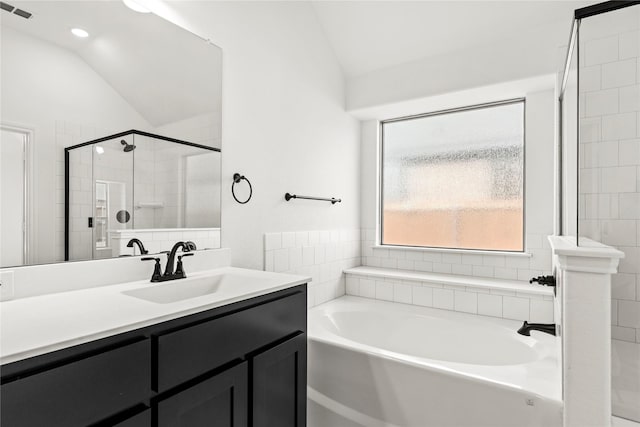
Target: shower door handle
{"type": "Point", "coordinates": [90, 222]}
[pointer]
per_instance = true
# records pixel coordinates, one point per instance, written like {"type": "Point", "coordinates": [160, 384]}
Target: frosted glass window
{"type": "Point", "coordinates": [455, 179]}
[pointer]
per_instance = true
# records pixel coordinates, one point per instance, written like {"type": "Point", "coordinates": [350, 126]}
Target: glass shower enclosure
{"type": "Point", "coordinates": [599, 174]}
{"type": "Point", "coordinates": [136, 180]}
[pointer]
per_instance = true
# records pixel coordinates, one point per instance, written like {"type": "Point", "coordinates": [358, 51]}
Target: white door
{"type": "Point", "coordinates": [12, 198]}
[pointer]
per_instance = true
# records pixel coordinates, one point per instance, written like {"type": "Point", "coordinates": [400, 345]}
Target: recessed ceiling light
{"type": "Point", "coordinates": [133, 5]}
{"type": "Point", "coordinates": [79, 32]}
{"type": "Point", "coordinates": [99, 150]}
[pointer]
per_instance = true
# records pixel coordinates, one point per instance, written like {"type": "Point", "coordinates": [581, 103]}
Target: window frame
{"type": "Point", "coordinates": [380, 192]}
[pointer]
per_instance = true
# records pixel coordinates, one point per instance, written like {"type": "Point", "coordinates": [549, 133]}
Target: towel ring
{"type": "Point", "coordinates": [236, 179]}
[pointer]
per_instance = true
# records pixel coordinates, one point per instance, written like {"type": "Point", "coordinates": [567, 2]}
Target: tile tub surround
{"type": "Point", "coordinates": [323, 255]}
{"type": "Point", "coordinates": [157, 240]}
{"type": "Point", "coordinates": [487, 297]}
{"type": "Point", "coordinates": [518, 266]}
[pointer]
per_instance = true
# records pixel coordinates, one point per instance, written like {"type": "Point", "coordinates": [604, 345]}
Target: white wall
{"type": "Point", "coordinates": [284, 123]}
{"type": "Point", "coordinates": [526, 54]}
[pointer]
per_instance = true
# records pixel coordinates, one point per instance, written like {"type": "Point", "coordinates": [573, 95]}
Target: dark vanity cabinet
{"type": "Point", "coordinates": [239, 365]}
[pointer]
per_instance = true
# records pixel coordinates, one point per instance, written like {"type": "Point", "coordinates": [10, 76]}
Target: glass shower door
{"type": "Point", "coordinates": [113, 192]}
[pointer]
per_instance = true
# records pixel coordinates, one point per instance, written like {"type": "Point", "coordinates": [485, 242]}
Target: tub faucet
{"type": "Point", "coordinates": [549, 328]}
{"type": "Point", "coordinates": [138, 243]}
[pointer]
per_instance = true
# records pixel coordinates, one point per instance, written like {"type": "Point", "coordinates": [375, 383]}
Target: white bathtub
{"type": "Point", "coordinates": [374, 363]}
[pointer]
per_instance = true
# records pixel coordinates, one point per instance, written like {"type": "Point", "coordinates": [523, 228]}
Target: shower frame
{"type": "Point", "coordinates": [574, 43]}
{"type": "Point", "coordinates": [102, 139]}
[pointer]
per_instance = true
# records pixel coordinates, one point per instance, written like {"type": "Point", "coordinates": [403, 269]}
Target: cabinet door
{"type": "Point", "coordinates": [219, 401]}
{"type": "Point", "coordinates": [279, 385]}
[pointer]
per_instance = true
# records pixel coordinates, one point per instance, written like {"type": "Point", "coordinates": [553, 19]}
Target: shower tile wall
{"type": "Point", "coordinates": [609, 199]}
{"type": "Point", "coordinates": [609, 195]}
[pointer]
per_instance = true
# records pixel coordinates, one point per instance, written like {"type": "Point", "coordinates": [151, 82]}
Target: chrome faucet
{"type": "Point", "coordinates": [549, 328]}
{"type": "Point", "coordinates": [169, 274]}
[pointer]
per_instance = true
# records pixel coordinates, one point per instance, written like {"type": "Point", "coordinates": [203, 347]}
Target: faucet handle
{"type": "Point", "coordinates": [544, 280]}
{"type": "Point", "coordinates": [190, 246]}
{"type": "Point", "coordinates": [157, 272]}
{"type": "Point", "coordinates": [179, 268]}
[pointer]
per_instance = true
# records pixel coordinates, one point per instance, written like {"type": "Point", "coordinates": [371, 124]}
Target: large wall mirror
{"type": "Point", "coordinates": [111, 132]}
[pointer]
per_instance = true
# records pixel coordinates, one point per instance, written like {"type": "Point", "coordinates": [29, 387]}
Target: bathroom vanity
{"type": "Point", "coordinates": [235, 356]}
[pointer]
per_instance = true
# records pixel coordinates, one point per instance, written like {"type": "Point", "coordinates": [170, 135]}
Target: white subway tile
{"type": "Point", "coordinates": [462, 269]}
{"type": "Point", "coordinates": [623, 334]}
{"type": "Point", "coordinates": [452, 258]}
{"type": "Point", "coordinates": [334, 236]}
{"type": "Point", "coordinates": [443, 298]}
{"type": "Point", "coordinates": [268, 261]}
{"type": "Point", "coordinates": [472, 259]}
{"type": "Point", "coordinates": [623, 286]}
{"type": "Point", "coordinates": [590, 129]}
{"type": "Point", "coordinates": [541, 311]}
{"type": "Point", "coordinates": [314, 238]}
{"type": "Point", "coordinates": [619, 126]}
{"type": "Point", "coordinates": [414, 255]}
{"type": "Point", "coordinates": [494, 260]}
{"type": "Point", "coordinates": [490, 305]}
{"type": "Point", "coordinates": [432, 256]}
{"type": "Point", "coordinates": [505, 273]}
{"type": "Point", "coordinates": [629, 152]}
{"type": "Point", "coordinates": [302, 239]}
{"type": "Point", "coordinates": [618, 232]}
{"type": "Point", "coordinates": [281, 260]}
{"type": "Point", "coordinates": [629, 313]}
{"type": "Point", "coordinates": [423, 266]}
{"type": "Point", "coordinates": [288, 239]}
{"type": "Point", "coordinates": [629, 98]}
{"type": "Point", "coordinates": [466, 302]}
{"type": "Point", "coordinates": [367, 288]}
{"type": "Point", "coordinates": [372, 261]}
{"type": "Point", "coordinates": [601, 51]}
{"type": "Point", "coordinates": [353, 285]}
{"type": "Point", "coordinates": [422, 295]}
{"type": "Point", "coordinates": [441, 268]}
{"type": "Point", "coordinates": [619, 73]}
{"type": "Point", "coordinates": [601, 102]}
{"type": "Point", "coordinates": [628, 44]}
{"type": "Point", "coordinates": [515, 308]}
{"type": "Point", "coordinates": [402, 293]}
{"type": "Point", "coordinates": [319, 255]}
{"type": "Point", "coordinates": [384, 290]}
{"type": "Point", "coordinates": [272, 241]}
{"type": "Point", "coordinates": [389, 263]}
{"type": "Point", "coordinates": [405, 264]}
{"type": "Point", "coordinates": [590, 78]}
{"type": "Point", "coordinates": [308, 256]}
{"type": "Point", "coordinates": [381, 253]}
{"type": "Point", "coordinates": [517, 262]}
{"type": "Point", "coordinates": [483, 271]}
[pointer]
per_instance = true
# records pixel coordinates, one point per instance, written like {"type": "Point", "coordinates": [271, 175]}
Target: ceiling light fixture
{"type": "Point", "coordinates": [79, 32]}
{"type": "Point", "coordinates": [133, 5]}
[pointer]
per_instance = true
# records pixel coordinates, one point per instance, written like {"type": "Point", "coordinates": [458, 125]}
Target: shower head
{"type": "Point", "coordinates": [127, 147]}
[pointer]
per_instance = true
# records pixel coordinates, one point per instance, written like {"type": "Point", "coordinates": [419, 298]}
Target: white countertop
{"type": "Point", "coordinates": [33, 326]}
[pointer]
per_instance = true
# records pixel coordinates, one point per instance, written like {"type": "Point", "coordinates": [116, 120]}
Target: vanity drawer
{"type": "Point", "coordinates": [194, 350]}
{"type": "Point", "coordinates": [80, 392]}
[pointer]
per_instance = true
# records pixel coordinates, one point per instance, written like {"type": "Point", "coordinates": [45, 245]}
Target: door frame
{"type": "Point", "coordinates": [28, 232]}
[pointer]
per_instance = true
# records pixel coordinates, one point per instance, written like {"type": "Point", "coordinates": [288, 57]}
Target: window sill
{"type": "Point", "coordinates": [454, 251]}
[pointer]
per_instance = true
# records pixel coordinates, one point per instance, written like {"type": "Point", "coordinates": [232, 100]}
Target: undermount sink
{"type": "Point", "coordinates": [183, 289]}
